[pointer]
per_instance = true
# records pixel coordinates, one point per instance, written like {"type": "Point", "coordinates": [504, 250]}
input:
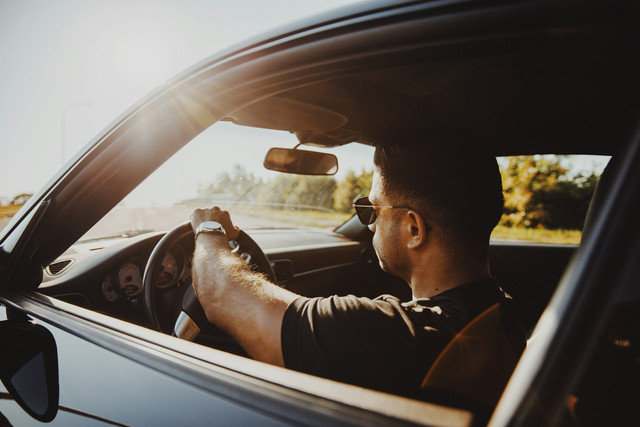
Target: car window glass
{"type": "Point", "coordinates": [547, 197]}
{"type": "Point", "coordinates": [224, 166]}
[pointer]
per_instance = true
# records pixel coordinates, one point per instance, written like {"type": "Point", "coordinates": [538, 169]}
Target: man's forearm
{"type": "Point", "coordinates": [238, 300]}
{"type": "Point", "coordinates": [215, 270]}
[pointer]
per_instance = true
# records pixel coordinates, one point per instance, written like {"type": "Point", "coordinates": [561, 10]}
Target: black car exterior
{"type": "Point", "coordinates": [117, 373]}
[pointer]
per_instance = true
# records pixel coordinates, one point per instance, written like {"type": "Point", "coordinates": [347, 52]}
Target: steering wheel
{"type": "Point", "coordinates": [192, 318]}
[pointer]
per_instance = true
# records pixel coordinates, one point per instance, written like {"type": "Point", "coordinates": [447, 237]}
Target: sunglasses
{"type": "Point", "coordinates": [366, 211]}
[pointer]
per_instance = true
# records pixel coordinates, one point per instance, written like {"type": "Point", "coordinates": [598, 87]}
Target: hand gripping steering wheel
{"type": "Point", "coordinates": [192, 318]}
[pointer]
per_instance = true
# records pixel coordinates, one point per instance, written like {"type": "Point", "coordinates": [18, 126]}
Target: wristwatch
{"type": "Point", "coordinates": [209, 227]}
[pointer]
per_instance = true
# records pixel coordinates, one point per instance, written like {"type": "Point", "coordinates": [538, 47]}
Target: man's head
{"type": "Point", "coordinates": [456, 192]}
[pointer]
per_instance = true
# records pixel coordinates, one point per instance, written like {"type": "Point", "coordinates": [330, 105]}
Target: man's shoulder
{"type": "Point", "coordinates": [446, 312]}
{"type": "Point", "coordinates": [455, 307]}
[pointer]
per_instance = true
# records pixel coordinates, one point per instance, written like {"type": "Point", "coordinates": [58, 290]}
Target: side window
{"type": "Point", "coordinates": [547, 197]}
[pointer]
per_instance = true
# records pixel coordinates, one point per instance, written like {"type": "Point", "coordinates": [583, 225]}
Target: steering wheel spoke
{"type": "Point", "coordinates": [185, 327]}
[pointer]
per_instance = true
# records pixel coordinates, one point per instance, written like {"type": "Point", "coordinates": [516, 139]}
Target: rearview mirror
{"type": "Point", "coordinates": [29, 367]}
{"type": "Point", "coordinates": [301, 162]}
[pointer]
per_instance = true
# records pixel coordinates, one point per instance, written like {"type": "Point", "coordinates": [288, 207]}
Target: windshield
{"type": "Point", "coordinates": [223, 166]}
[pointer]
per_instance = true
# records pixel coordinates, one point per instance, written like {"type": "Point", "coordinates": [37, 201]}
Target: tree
{"type": "Point", "coordinates": [539, 193]}
{"type": "Point", "coordinates": [351, 187]}
{"type": "Point", "coordinates": [565, 204]}
{"type": "Point", "coordinates": [300, 191]}
{"type": "Point", "coordinates": [21, 199]}
{"type": "Point", "coordinates": [237, 183]}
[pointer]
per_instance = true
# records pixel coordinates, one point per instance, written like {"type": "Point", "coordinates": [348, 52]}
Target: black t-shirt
{"type": "Point", "coordinates": [382, 343]}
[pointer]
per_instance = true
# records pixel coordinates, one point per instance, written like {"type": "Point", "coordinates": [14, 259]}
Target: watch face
{"type": "Point", "coordinates": [211, 226]}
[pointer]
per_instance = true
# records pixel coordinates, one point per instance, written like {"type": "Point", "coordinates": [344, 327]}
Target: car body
{"type": "Point", "coordinates": [530, 77]}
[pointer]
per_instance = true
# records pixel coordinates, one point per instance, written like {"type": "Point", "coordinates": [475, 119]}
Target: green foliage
{"type": "Point", "coordinates": [565, 204]}
{"type": "Point", "coordinates": [298, 191]}
{"type": "Point", "coordinates": [538, 193]}
{"type": "Point", "coordinates": [237, 183]}
{"type": "Point", "coordinates": [351, 187]}
{"type": "Point", "coordinates": [301, 191]}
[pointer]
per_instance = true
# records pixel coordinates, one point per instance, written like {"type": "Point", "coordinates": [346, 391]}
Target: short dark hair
{"type": "Point", "coordinates": [453, 186]}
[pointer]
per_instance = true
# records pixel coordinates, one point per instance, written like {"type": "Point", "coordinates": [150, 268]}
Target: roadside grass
{"type": "Point", "coordinates": [6, 212]}
{"type": "Point", "coordinates": [537, 235]}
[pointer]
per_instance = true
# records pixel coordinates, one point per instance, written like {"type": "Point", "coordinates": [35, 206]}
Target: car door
{"type": "Point", "coordinates": [114, 373]}
{"type": "Point", "coordinates": [100, 386]}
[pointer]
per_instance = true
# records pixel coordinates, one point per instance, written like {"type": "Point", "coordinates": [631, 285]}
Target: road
{"type": "Point", "coordinates": [164, 218]}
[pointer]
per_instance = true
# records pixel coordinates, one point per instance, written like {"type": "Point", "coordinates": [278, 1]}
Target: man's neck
{"type": "Point", "coordinates": [438, 277]}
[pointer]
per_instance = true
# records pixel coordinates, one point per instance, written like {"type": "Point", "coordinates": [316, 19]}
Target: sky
{"type": "Point", "coordinates": [70, 67]}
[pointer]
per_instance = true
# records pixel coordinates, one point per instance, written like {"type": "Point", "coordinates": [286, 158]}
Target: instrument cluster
{"type": "Point", "coordinates": [126, 281]}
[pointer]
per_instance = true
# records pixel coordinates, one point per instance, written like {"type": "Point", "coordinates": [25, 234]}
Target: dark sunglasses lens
{"type": "Point", "coordinates": [366, 214]}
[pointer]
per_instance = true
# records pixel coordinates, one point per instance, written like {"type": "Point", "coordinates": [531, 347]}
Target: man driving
{"type": "Point", "coordinates": [431, 211]}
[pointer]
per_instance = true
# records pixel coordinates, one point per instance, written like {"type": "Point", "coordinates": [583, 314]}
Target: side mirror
{"type": "Point", "coordinates": [29, 367]}
{"type": "Point", "coordinates": [301, 162]}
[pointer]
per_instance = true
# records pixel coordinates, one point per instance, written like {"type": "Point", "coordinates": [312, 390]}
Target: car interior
{"type": "Point", "coordinates": [532, 94]}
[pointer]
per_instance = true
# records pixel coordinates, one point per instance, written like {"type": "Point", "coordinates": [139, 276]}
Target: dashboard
{"type": "Point", "coordinates": [107, 275]}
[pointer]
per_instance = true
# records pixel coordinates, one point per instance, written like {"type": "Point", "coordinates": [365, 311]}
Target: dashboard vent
{"type": "Point", "coordinates": [58, 267]}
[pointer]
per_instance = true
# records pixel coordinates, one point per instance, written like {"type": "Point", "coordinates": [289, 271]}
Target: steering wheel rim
{"type": "Point", "coordinates": [245, 246]}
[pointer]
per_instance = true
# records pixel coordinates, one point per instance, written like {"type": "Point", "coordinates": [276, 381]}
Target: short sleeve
{"type": "Point", "coordinates": [355, 340]}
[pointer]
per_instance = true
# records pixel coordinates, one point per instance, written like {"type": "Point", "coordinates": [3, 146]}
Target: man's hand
{"type": "Point", "coordinates": [236, 299]}
{"type": "Point", "coordinates": [208, 291]}
{"type": "Point", "coordinates": [215, 214]}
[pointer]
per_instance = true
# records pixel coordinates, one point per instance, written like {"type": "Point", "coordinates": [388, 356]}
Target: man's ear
{"type": "Point", "coordinates": [417, 230]}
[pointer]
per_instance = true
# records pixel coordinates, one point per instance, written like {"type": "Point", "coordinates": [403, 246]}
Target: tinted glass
{"type": "Point", "coordinates": [31, 384]}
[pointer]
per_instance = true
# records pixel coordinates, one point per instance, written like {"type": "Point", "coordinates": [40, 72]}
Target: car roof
{"type": "Point", "coordinates": [556, 80]}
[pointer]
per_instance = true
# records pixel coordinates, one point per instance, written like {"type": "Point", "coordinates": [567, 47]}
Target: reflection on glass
{"type": "Point", "coordinates": [30, 382]}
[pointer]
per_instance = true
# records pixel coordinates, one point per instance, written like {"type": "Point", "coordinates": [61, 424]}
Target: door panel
{"type": "Point", "coordinates": [100, 387]}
